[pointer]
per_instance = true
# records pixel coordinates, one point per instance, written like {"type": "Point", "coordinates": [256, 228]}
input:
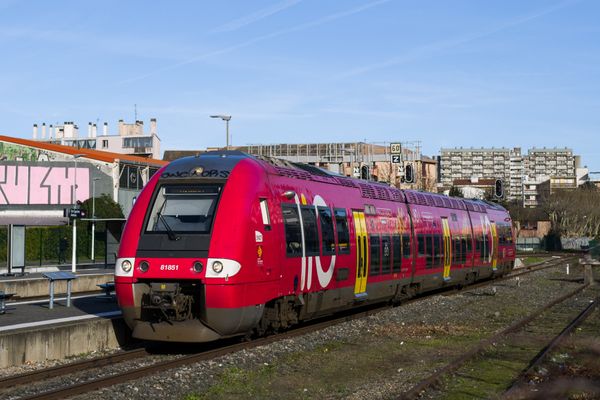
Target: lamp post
{"type": "Point", "coordinates": [225, 118]}
{"type": "Point", "coordinates": [94, 218]}
{"type": "Point", "coordinates": [74, 254]}
{"type": "Point", "coordinates": [350, 151]}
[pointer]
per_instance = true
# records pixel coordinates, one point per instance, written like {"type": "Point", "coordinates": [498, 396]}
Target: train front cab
{"type": "Point", "coordinates": [187, 278]}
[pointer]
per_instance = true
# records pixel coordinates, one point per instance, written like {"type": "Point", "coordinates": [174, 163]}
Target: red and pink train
{"type": "Point", "coordinates": [227, 244]}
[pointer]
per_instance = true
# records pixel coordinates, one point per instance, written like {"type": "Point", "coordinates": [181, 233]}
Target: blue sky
{"type": "Point", "coordinates": [448, 73]}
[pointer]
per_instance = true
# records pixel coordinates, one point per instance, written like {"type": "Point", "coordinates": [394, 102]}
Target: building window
{"type": "Point", "coordinates": [132, 142]}
{"type": "Point", "coordinates": [105, 144]}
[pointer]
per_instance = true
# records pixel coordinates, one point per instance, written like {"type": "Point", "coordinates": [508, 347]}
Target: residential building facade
{"type": "Point", "coordinates": [130, 139]}
{"type": "Point", "coordinates": [555, 165]}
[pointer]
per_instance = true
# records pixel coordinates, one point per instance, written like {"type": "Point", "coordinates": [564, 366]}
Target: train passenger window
{"type": "Point", "coordinates": [437, 250]}
{"type": "Point", "coordinates": [311, 232]}
{"type": "Point", "coordinates": [456, 253]}
{"type": "Point", "coordinates": [482, 246]}
{"type": "Point", "coordinates": [328, 238]}
{"type": "Point", "coordinates": [183, 208]}
{"type": "Point", "coordinates": [406, 246]}
{"type": "Point", "coordinates": [469, 244]}
{"type": "Point", "coordinates": [264, 212]}
{"type": "Point", "coordinates": [343, 234]}
{"type": "Point", "coordinates": [421, 245]}
{"type": "Point", "coordinates": [397, 253]}
{"type": "Point", "coordinates": [375, 268]}
{"type": "Point", "coordinates": [293, 235]}
{"type": "Point", "coordinates": [463, 242]}
{"type": "Point", "coordinates": [429, 250]}
{"type": "Point", "coordinates": [386, 254]}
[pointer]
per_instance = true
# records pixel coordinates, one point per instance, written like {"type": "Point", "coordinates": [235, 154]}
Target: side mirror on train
{"type": "Point", "coordinates": [409, 176]}
{"type": "Point", "coordinates": [499, 189]}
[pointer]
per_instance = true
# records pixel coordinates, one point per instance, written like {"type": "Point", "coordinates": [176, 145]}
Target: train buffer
{"type": "Point", "coordinates": [59, 276]}
{"type": "Point", "coordinates": [3, 297]}
{"type": "Point", "coordinates": [107, 287]}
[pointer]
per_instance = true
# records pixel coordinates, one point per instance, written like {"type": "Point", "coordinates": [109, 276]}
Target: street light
{"type": "Point", "coordinates": [352, 152]}
{"type": "Point", "coordinates": [94, 218]}
{"type": "Point", "coordinates": [74, 254]}
{"type": "Point", "coordinates": [225, 118]}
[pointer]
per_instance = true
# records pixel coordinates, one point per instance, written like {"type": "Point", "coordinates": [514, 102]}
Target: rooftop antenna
{"type": "Point", "coordinates": [135, 111]}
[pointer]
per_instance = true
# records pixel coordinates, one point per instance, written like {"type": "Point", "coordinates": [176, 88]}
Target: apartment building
{"type": "Point", "coordinates": [516, 170]}
{"type": "Point", "coordinates": [130, 138]}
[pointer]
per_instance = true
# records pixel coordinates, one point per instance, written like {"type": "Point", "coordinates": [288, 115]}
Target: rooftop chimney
{"type": "Point", "coordinates": [89, 129]}
{"type": "Point", "coordinates": [50, 129]}
{"type": "Point", "coordinates": [105, 129]}
{"type": "Point", "coordinates": [35, 129]}
{"type": "Point", "coordinates": [94, 130]}
{"type": "Point", "coordinates": [152, 126]}
{"type": "Point", "coordinates": [43, 131]}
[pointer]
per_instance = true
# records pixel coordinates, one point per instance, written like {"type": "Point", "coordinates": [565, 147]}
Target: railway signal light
{"type": "Point", "coordinates": [409, 176]}
{"type": "Point", "coordinates": [364, 172]}
{"type": "Point", "coordinates": [498, 189]}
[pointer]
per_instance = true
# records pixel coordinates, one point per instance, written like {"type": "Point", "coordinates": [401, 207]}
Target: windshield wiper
{"type": "Point", "coordinates": [170, 233]}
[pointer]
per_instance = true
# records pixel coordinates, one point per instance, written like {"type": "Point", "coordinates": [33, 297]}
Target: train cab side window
{"type": "Point", "coordinates": [386, 254]}
{"type": "Point", "coordinates": [406, 246]}
{"type": "Point", "coordinates": [311, 232]}
{"type": "Point", "coordinates": [264, 212]}
{"type": "Point", "coordinates": [293, 234]}
{"type": "Point", "coordinates": [343, 234]}
{"type": "Point", "coordinates": [375, 268]}
{"type": "Point", "coordinates": [328, 238]}
{"type": "Point", "coordinates": [396, 253]}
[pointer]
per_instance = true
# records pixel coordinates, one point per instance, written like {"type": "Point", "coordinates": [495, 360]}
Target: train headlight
{"type": "Point", "coordinates": [198, 266]}
{"type": "Point", "coordinates": [217, 267]}
{"type": "Point", "coordinates": [144, 266]}
{"type": "Point", "coordinates": [126, 266]}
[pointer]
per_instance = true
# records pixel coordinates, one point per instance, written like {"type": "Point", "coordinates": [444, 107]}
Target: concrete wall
{"type": "Point", "coordinates": [55, 343]}
{"type": "Point", "coordinates": [36, 287]}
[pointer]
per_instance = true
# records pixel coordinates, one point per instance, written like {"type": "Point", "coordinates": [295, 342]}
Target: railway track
{"type": "Point", "coordinates": [519, 386]}
{"type": "Point", "coordinates": [162, 365]}
{"type": "Point", "coordinates": [553, 312]}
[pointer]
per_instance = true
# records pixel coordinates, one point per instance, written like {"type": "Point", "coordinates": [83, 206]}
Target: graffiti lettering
{"type": "Point", "coordinates": [24, 184]}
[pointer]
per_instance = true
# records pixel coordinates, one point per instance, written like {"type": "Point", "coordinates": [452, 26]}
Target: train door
{"type": "Point", "coordinates": [494, 245]}
{"type": "Point", "coordinates": [362, 253]}
{"type": "Point", "coordinates": [447, 249]}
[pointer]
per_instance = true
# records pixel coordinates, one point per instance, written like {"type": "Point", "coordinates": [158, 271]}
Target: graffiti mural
{"type": "Point", "coordinates": [12, 152]}
{"type": "Point", "coordinates": [42, 185]}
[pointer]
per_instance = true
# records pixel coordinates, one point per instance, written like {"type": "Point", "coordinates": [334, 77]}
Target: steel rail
{"type": "Point", "coordinates": [61, 370]}
{"type": "Point", "coordinates": [541, 356]}
{"type": "Point", "coordinates": [141, 372]}
{"type": "Point", "coordinates": [455, 364]}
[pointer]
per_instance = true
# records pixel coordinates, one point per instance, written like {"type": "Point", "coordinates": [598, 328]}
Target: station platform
{"type": "Point", "coordinates": [34, 284]}
{"type": "Point", "coordinates": [32, 332]}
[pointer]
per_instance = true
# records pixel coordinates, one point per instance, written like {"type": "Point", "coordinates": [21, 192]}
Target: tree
{"type": "Point", "coordinates": [105, 207]}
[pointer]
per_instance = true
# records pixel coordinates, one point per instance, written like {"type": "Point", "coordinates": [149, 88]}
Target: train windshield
{"type": "Point", "coordinates": [184, 208]}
